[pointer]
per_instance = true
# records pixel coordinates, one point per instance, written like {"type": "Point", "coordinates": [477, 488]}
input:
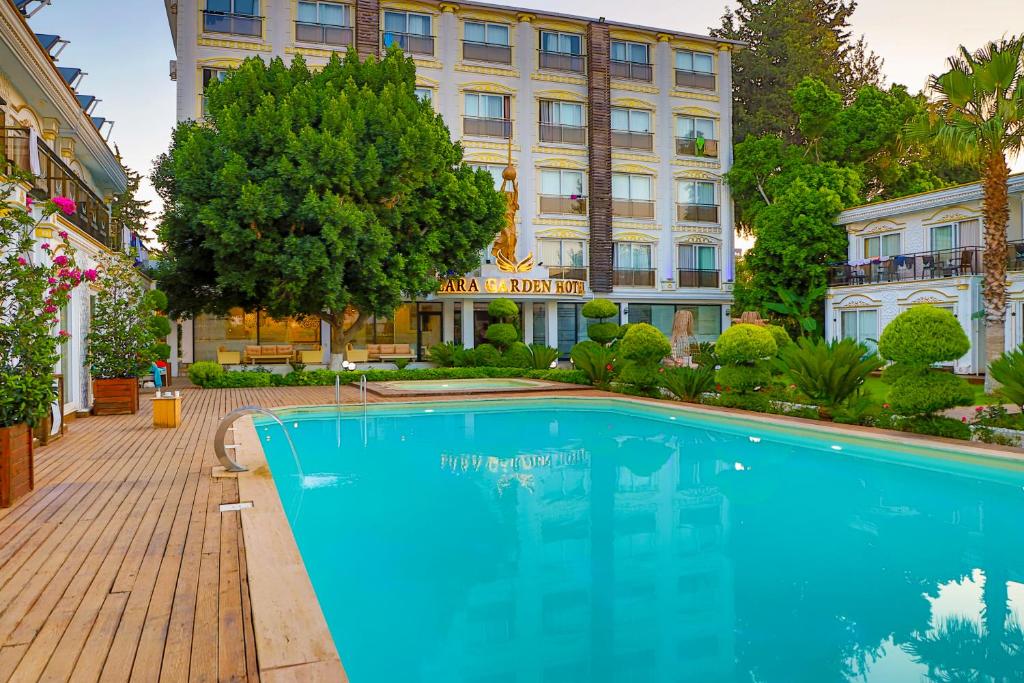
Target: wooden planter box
{"type": "Point", "coordinates": [16, 472]}
{"type": "Point", "coordinates": [115, 396]}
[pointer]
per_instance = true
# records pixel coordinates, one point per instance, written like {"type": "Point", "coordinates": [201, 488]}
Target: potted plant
{"type": "Point", "coordinates": [34, 285]}
{"type": "Point", "coordinates": [125, 337]}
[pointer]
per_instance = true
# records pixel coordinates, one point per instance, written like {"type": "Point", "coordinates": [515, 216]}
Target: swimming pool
{"type": "Point", "coordinates": [482, 385]}
{"type": "Point", "coordinates": [574, 540]}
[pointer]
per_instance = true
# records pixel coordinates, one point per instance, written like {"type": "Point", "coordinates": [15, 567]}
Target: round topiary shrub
{"type": "Point", "coordinates": [929, 391]}
{"type": "Point", "coordinates": [503, 310]}
{"type": "Point", "coordinates": [599, 309]}
{"type": "Point", "coordinates": [517, 355]}
{"type": "Point", "coordinates": [623, 329]}
{"type": "Point", "coordinates": [159, 327]}
{"type": "Point", "coordinates": [745, 343]}
{"type": "Point", "coordinates": [204, 373]}
{"type": "Point", "coordinates": [603, 333]}
{"type": "Point", "coordinates": [486, 356]}
{"type": "Point", "coordinates": [156, 300]}
{"type": "Point", "coordinates": [644, 344]}
{"type": "Point", "coordinates": [502, 335]}
{"type": "Point", "coordinates": [923, 335]}
{"type": "Point", "coordinates": [742, 378]}
{"type": "Point", "coordinates": [779, 334]}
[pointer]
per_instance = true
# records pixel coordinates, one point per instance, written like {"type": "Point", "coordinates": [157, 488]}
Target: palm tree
{"type": "Point", "coordinates": [977, 117]}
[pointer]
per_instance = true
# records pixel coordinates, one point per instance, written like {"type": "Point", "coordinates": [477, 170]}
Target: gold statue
{"type": "Point", "coordinates": [504, 250]}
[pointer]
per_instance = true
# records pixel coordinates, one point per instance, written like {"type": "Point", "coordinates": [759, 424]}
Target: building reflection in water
{"type": "Point", "coordinates": [584, 547]}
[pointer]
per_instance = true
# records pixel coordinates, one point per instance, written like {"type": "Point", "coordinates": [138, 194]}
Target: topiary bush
{"type": "Point", "coordinates": [204, 373]}
{"type": "Point", "coordinates": [743, 378]}
{"type": "Point", "coordinates": [929, 391]}
{"type": "Point", "coordinates": [599, 309]}
{"type": "Point", "coordinates": [923, 335]}
{"type": "Point", "coordinates": [643, 348]}
{"type": "Point", "coordinates": [745, 343]}
{"type": "Point", "coordinates": [502, 335]}
{"type": "Point", "coordinates": [503, 310]}
{"type": "Point", "coordinates": [603, 333]}
{"type": "Point", "coordinates": [517, 355]}
{"type": "Point", "coordinates": [781, 337]}
{"type": "Point", "coordinates": [487, 356]}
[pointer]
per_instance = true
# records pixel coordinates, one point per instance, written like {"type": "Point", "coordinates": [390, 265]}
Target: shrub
{"type": "Point", "coordinates": [156, 301]}
{"type": "Point", "coordinates": [517, 356]}
{"type": "Point", "coordinates": [603, 333]}
{"type": "Point", "coordinates": [204, 373]}
{"type": "Point", "coordinates": [486, 355]}
{"type": "Point", "coordinates": [929, 391]}
{"type": "Point", "coordinates": [759, 403]}
{"type": "Point", "coordinates": [594, 361]}
{"type": "Point", "coordinates": [828, 373]}
{"type": "Point", "coordinates": [159, 327]}
{"type": "Point", "coordinates": [463, 358]}
{"type": "Point", "coordinates": [1008, 370]}
{"type": "Point", "coordinates": [599, 309]}
{"type": "Point", "coordinates": [443, 355]}
{"type": "Point", "coordinates": [688, 384]}
{"type": "Point", "coordinates": [892, 374]}
{"type": "Point", "coordinates": [502, 335]}
{"type": "Point", "coordinates": [743, 378]}
{"type": "Point", "coordinates": [623, 329]}
{"type": "Point", "coordinates": [704, 354]}
{"type": "Point", "coordinates": [566, 376]}
{"type": "Point", "coordinates": [503, 310]}
{"type": "Point", "coordinates": [645, 344]}
{"type": "Point", "coordinates": [745, 343]}
{"type": "Point", "coordinates": [937, 425]}
{"type": "Point", "coordinates": [923, 335]}
{"type": "Point", "coordinates": [161, 351]}
{"type": "Point", "coordinates": [779, 334]}
{"type": "Point", "coordinates": [237, 380]}
{"type": "Point", "coordinates": [543, 356]}
{"type": "Point", "coordinates": [401, 363]}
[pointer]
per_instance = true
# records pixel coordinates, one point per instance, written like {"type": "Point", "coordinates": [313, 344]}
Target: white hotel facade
{"type": "Point", "coordinates": [620, 135]}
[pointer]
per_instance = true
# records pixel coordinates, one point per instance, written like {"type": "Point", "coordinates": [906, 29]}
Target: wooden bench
{"type": "Point", "coordinates": [386, 352]}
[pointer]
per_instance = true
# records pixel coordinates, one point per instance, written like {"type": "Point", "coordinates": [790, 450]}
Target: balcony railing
{"type": "Point", "coordinates": [633, 208]}
{"type": "Point", "coordinates": [695, 79]}
{"type": "Point", "coordinates": [925, 265]}
{"type": "Point", "coordinates": [561, 134]}
{"type": "Point", "coordinates": [698, 278]}
{"type": "Point", "coordinates": [625, 139]}
{"type": "Point", "coordinates": [235, 24]}
{"type": "Point", "coordinates": [688, 147]}
{"type": "Point", "coordinates": [572, 204]}
{"type": "Point", "coordinates": [704, 213]}
{"type": "Point", "coordinates": [486, 127]}
{"type": "Point", "coordinates": [563, 61]}
{"type": "Point", "coordinates": [633, 277]}
{"type": "Point", "coordinates": [567, 272]}
{"type": "Point", "coordinates": [486, 52]}
{"type": "Point", "coordinates": [325, 34]}
{"type": "Point", "coordinates": [411, 43]}
{"type": "Point", "coordinates": [54, 179]}
{"type": "Point", "coordinates": [632, 71]}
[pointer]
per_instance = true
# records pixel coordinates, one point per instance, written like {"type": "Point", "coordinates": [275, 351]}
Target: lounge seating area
{"type": "Point", "coordinates": [269, 353]}
{"type": "Point", "coordinates": [379, 353]}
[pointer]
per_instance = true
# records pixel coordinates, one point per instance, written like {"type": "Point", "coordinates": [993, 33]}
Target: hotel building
{"type": "Point", "coordinates": [925, 249]}
{"type": "Point", "coordinates": [620, 135]}
{"type": "Point", "coordinates": [48, 128]}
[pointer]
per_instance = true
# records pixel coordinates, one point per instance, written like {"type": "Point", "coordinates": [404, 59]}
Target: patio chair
{"type": "Point", "coordinates": [966, 266]}
{"type": "Point", "coordinates": [928, 265]}
{"type": "Point", "coordinates": [354, 355]}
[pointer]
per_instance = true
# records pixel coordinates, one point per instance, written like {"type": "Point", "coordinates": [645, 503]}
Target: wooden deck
{"type": "Point", "coordinates": [120, 565]}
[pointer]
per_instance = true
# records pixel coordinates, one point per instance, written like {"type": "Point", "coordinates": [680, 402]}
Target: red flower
{"type": "Point", "coordinates": [61, 260]}
{"type": "Point", "coordinates": [608, 367]}
{"type": "Point", "coordinates": [64, 204]}
{"type": "Point", "coordinates": [64, 333]}
{"type": "Point", "coordinates": [978, 409]}
{"type": "Point", "coordinates": [963, 419]}
{"type": "Point", "coordinates": [885, 405]}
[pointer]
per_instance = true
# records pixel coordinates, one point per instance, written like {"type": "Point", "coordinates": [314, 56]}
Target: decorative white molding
{"type": "Point", "coordinates": [921, 202]}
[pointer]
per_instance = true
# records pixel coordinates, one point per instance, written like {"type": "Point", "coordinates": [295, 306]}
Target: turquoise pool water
{"type": "Point", "coordinates": [565, 541]}
{"type": "Point", "coordinates": [445, 385]}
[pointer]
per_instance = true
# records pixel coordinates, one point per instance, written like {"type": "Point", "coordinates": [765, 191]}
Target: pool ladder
{"type": "Point", "coordinates": [362, 392]}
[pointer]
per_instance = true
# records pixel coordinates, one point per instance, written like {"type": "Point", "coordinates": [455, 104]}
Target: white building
{"type": "Point", "coordinates": [48, 129]}
{"type": "Point", "coordinates": [924, 249]}
{"type": "Point", "coordinates": [620, 135]}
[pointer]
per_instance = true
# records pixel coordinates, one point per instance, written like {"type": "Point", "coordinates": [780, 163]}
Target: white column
{"type": "Point", "coordinates": [525, 133]}
{"type": "Point", "coordinates": [448, 44]}
{"type": "Point", "coordinates": [448, 321]}
{"type": "Point", "coordinates": [325, 342]}
{"type": "Point", "coordinates": [528, 321]}
{"type": "Point", "coordinates": [552, 323]}
{"type": "Point", "coordinates": [725, 157]}
{"type": "Point", "coordinates": [467, 323]}
{"type": "Point", "coordinates": [664, 140]}
{"type": "Point", "coordinates": [186, 340]}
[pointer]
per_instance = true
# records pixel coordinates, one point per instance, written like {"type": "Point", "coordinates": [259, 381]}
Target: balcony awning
{"type": "Point", "coordinates": [47, 40]}
{"type": "Point", "coordinates": [87, 102]}
{"type": "Point", "coordinates": [70, 74]}
{"type": "Point", "coordinates": [98, 121]}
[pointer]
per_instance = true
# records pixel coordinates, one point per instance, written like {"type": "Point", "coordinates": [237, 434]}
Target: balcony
{"type": "Point", "coordinates": [560, 134]}
{"type": "Point", "coordinates": [562, 61]}
{"type": "Point", "coordinates": [56, 179]}
{"type": "Point", "coordinates": [695, 79]}
{"type": "Point", "coordinates": [699, 279]}
{"type": "Point", "coordinates": [323, 34]}
{"type": "Point", "coordinates": [410, 43]}
{"type": "Point", "coordinates": [624, 139]}
{"type": "Point", "coordinates": [235, 24]}
{"type": "Point", "coordinates": [688, 147]}
{"type": "Point", "coordinates": [633, 208]}
{"type": "Point", "coordinates": [486, 52]}
{"type": "Point", "coordinates": [702, 213]}
{"type": "Point", "coordinates": [486, 127]}
{"type": "Point", "coordinates": [632, 71]}
{"type": "Point", "coordinates": [567, 272]}
{"type": "Point", "coordinates": [573, 204]}
{"type": "Point", "coordinates": [633, 277]}
{"type": "Point", "coordinates": [926, 265]}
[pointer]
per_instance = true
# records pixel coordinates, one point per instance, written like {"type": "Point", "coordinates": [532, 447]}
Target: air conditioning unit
{"type": "Point", "coordinates": [174, 70]}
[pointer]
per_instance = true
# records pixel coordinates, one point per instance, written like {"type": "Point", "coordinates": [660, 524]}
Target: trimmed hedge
{"type": "Point", "coordinates": [503, 309]}
{"type": "Point", "coordinates": [745, 343]}
{"type": "Point", "coordinates": [743, 378]}
{"type": "Point", "coordinates": [779, 334]}
{"type": "Point", "coordinates": [928, 392]}
{"type": "Point", "coordinates": [240, 379]}
{"type": "Point", "coordinates": [923, 335]}
{"type": "Point", "coordinates": [204, 373]}
{"type": "Point", "coordinates": [502, 335]}
{"type": "Point", "coordinates": [599, 309]}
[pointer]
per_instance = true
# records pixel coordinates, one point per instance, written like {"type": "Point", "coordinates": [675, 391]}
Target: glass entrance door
{"type": "Point", "coordinates": [430, 328]}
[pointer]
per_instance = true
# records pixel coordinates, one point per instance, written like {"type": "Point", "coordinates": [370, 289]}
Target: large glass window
{"type": "Point", "coordinates": [424, 94]}
{"type": "Point", "coordinates": [861, 326]}
{"type": "Point", "coordinates": [698, 257]}
{"type": "Point", "coordinates": [209, 76]}
{"type": "Point", "coordinates": [407, 22]}
{"type": "Point", "coordinates": [563, 252]}
{"type": "Point", "coordinates": [495, 171]}
{"type": "Point", "coordinates": [561, 113]}
{"type": "Point", "coordinates": [624, 51]}
{"type": "Point", "coordinates": [696, 192]}
{"type": "Point", "coordinates": [882, 246]}
{"type": "Point", "coordinates": [491, 34]}
{"type": "Point", "coordinates": [633, 256]}
{"type": "Point", "coordinates": [540, 323]}
{"type": "Point", "coordinates": [631, 120]}
{"type": "Point", "coordinates": [707, 319]}
{"type": "Point", "coordinates": [564, 43]}
{"type": "Point", "coordinates": [627, 186]}
{"type": "Point", "coordinates": [692, 127]}
{"type": "Point", "coordinates": [325, 13]}
{"type": "Point", "coordinates": [480, 105]}
{"type": "Point", "coordinates": [249, 7]}
{"type": "Point", "coordinates": [944, 237]}
{"type": "Point", "coordinates": [572, 327]}
{"type": "Point", "coordinates": [561, 183]}
{"type": "Point", "coordinates": [701, 62]}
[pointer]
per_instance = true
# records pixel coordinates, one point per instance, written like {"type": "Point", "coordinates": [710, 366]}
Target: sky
{"type": "Point", "coordinates": [127, 60]}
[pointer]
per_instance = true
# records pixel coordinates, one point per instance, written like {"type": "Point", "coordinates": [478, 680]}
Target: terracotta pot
{"type": "Point", "coordinates": [16, 463]}
{"type": "Point", "coordinates": [115, 396]}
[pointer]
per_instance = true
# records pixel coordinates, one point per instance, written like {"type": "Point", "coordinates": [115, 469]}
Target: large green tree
{"type": "Point", "coordinates": [316, 192]}
{"type": "Point", "coordinates": [977, 117]}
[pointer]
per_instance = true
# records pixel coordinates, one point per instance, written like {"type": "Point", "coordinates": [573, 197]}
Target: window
{"type": "Point", "coordinates": [561, 113]}
{"type": "Point", "coordinates": [707, 320]}
{"type": "Point", "coordinates": [944, 237]}
{"type": "Point", "coordinates": [563, 253]}
{"type": "Point", "coordinates": [631, 120]}
{"type": "Point", "coordinates": [699, 192]}
{"type": "Point", "coordinates": [882, 246]}
{"type": "Point", "coordinates": [408, 23]}
{"type": "Point", "coordinates": [637, 53]}
{"type": "Point", "coordinates": [495, 171]}
{"type": "Point", "coordinates": [698, 257]}
{"type": "Point", "coordinates": [561, 183]}
{"type": "Point", "coordinates": [631, 187]}
{"type": "Point", "coordinates": [861, 326]}
{"type": "Point", "coordinates": [561, 43]}
{"type": "Point", "coordinates": [425, 94]}
{"type": "Point", "coordinates": [209, 76]}
{"type": "Point", "coordinates": [632, 256]}
{"type": "Point", "coordinates": [479, 105]}
{"type": "Point", "coordinates": [324, 22]}
{"type": "Point", "coordinates": [247, 7]}
{"type": "Point", "coordinates": [690, 127]}
{"type": "Point", "coordinates": [325, 13]}
{"type": "Point", "coordinates": [239, 17]}
{"type": "Point", "coordinates": [966, 235]}
{"type": "Point", "coordinates": [699, 62]}
{"type": "Point", "coordinates": [490, 34]}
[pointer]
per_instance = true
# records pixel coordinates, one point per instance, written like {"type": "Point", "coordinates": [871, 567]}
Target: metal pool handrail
{"type": "Point", "coordinates": [226, 423]}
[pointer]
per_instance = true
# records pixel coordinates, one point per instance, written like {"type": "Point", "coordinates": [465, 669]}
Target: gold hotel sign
{"type": "Point", "coordinates": [510, 285]}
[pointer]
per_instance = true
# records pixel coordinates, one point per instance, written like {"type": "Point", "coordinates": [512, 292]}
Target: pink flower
{"type": "Point", "coordinates": [51, 280]}
{"type": "Point", "coordinates": [63, 234]}
{"type": "Point", "coordinates": [978, 409]}
{"type": "Point", "coordinates": [64, 204]}
{"type": "Point", "coordinates": [91, 274]}
{"type": "Point", "coordinates": [46, 246]}
{"type": "Point", "coordinates": [50, 308]}
{"type": "Point", "coordinates": [63, 272]}
{"type": "Point", "coordinates": [64, 333]}
{"type": "Point", "coordinates": [61, 260]}
{"type": "Point", "coordinates": [22, 261]}
{"type": "Point", "coordinates": [963, 419]}
{"type": "Point", "coordinates": [29, 201]}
